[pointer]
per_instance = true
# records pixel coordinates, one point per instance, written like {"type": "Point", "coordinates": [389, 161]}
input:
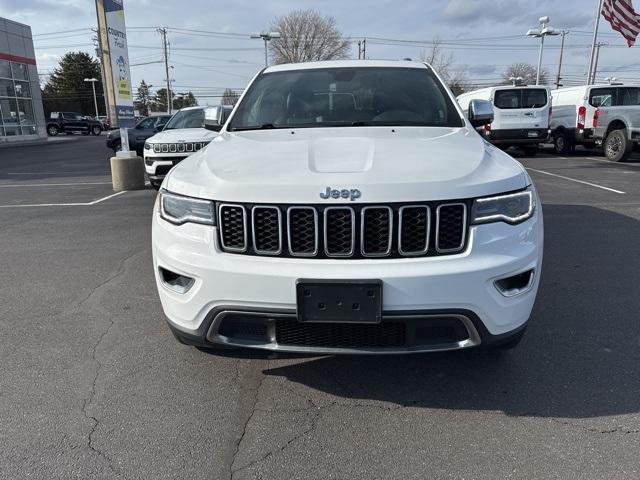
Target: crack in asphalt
{"type": "Point", "coordinates": [249, 412]}
{"type": "Point", "coordinates": [92, 300]}
{"type": "Point", "coordinates": [622, 431]}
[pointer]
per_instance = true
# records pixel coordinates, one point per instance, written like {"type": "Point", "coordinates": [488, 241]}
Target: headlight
{"type": "Point", "coordinates": [511, 208]}
{"type": "Point", "coordinates": [179, 209]}
{"type": "Point", "coordinates": [147, 146]}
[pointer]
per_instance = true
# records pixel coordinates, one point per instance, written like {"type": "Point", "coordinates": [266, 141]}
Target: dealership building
{"type": "Point", "coordinates": [21, 112]}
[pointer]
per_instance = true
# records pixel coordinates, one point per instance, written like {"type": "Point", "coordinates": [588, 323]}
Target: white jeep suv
{"type": "Point", "coordinates": [348, 207]}
{"type": "Point", "coordinates": [183, 135]}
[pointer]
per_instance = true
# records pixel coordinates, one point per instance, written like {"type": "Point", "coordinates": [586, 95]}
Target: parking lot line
{"type": "Point", "coordinates": [577, 181]}
{"type": "Point", "coordinates": [13, 185]}
{"type": "Point", "coordinates": [77, 204]}
{"type": "Point", "coordinates": [620, 164]}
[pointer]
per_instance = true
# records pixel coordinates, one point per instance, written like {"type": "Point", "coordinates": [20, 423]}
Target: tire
{"type": "Point", "coordinates": [156, 184]}
{"type": "Point", "coordinates": [562, 144]}
{"type": "Point", "coordinates": [96, 130]}
{"type": "Point", "coordinates": [52, 130]}
{"type": "Point", "coordinates": [617, 148]}
{"type": "Point", "coordinates": [530, 150]}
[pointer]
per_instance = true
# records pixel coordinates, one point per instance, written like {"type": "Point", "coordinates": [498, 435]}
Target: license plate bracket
{"type": "Point", "coordinates": [339, 301]}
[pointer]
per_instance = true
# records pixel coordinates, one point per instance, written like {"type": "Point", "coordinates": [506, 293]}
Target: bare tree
{"type": "Point", "coordinates": [525, 71]}
{"type": "Point", "coordinates": [307, 36]}
{"type": "Point", "coordinates": [229, 97]}
{"type": "Point", "coordinates": [444, 64]}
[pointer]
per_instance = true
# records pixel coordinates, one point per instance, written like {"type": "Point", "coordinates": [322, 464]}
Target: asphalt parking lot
{"type": "Point", "coordinates": [93, 385]}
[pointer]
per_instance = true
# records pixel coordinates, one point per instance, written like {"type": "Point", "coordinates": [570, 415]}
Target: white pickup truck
{"type": "Point", "coordinates": [617, 123]}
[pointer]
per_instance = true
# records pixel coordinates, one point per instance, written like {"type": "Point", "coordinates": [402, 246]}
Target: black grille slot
{"type": "Point", "coordinates": [376, 231]}
{"type": "Point", "coordinates": [339, 231]}
{"type": "Point", "coordinates": [341, 335]}
{"type": "Point", "coordinates": [240, 328]}
{"type": "Point", "coordinates": [303, 231]}
{"type": "Point", "coordinates": [266, 226]}
{"type": "Point", "coordinates": [414, 230]}
{"type": "Point", "coordinates": [233, 227]}
{"type": "Point", "coordinates": [451, 227]}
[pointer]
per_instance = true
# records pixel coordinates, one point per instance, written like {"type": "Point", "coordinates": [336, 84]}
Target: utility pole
{"type": "Point", "coordinates": [558, 77]}
{"type": "Point", "coordinates": [359, 50]}
{"type": "Point", "coordinates": [163, 31]}
{"type": "Point", "coordinates": [364, 49]}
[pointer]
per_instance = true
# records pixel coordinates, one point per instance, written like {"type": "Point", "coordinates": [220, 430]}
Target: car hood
{"type": "Point", "coordinates": [180, 135]}
{"type": "Point", "coordinates": [386, 164]}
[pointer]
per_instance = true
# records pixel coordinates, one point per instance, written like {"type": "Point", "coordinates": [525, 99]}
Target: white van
{"type": "Point", "coordinates": [574, 109]}
{"type": "Point", "coordinates": [522, 115]}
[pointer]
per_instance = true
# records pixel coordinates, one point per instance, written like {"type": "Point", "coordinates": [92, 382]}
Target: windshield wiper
{"type": "Point", "coordinates": [264, 126]}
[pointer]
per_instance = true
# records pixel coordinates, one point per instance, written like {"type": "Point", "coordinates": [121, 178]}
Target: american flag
{"type": "Point", "coordinates": [623, 18]}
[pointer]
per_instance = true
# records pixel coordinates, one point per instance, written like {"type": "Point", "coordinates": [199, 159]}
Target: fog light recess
{"type": "Point", "coordinates": [516, 284]}
{"type": "Point", "coordinates": [176, 282]}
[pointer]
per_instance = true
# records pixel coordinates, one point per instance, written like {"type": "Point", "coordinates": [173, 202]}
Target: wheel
{"type": "Point", "coordinates": [616, 146]}
{"type": "Point", "coordinates": [52, 130]}
{"type": "Point", "coordinates": [530, 150]}
{"type": "Point", "coordinates": [562, 144]}
{"type": "Point", "coordinates": [156, 184]}
{"type": "Point", "coordinates": [508, 344]}
{"type": "Point", "coordinates": [96, 130]}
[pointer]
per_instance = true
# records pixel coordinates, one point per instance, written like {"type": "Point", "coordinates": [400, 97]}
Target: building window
{"type": "Point", "coordinates": [16, 106]}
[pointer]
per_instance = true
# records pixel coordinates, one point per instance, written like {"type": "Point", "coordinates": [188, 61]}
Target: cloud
{"type": "Point", "coordinates": [474, 11]}
{"type": "Point", "coordinates": [481, 69]}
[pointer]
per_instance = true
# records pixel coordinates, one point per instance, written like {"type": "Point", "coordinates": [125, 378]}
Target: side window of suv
{"type": "Point", "coordinates": [628, 96]}
{"type": "Point", "coordinates": [602, 97]}
{"type": "Point", "coordinates": [68, 116]}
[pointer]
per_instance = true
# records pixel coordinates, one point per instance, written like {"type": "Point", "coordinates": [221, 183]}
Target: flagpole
{"type": "Point", "coordinates": [593, 44]}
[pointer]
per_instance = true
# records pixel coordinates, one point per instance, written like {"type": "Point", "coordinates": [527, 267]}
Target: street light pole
{"type": "Point", "coordinates": [267, 37]}
{"type": "Point", "coordinates": [542, 32]}
{"type": "Point", "coordinates": [93, 86]}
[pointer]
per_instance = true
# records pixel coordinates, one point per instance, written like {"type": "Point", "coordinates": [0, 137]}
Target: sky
{"type": "Point", "coordinates": [482, 37]}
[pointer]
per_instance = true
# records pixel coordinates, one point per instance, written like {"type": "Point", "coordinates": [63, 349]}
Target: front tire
{"type": "Point", "coordinates": [96, 130]}
{"type": "Point", "coordinates": [52, 130]}
{"type": "Point", "coordinates": [562, 144]}
{"type": "Point", "coordinates": [617, 147]}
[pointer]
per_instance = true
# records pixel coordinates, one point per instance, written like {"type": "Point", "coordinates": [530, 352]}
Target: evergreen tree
{"type": "Point", "coordinates": [160, 101]}
{"type": "Point", "coordinates": [144, 100]}
{"type": "Point", "coordinates": [183, 100]}
{"type": "Point", "coordinates": [66, 89]}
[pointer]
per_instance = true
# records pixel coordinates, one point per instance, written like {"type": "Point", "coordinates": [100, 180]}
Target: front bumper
{"type": "Point", "coordinates": [157, 166]}
{"type": "Point", "coordinates": [459, 287]}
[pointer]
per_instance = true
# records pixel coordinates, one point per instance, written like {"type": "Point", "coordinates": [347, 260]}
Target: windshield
{"type": "Point", "coordinates": [356, 96]}
{"type": "Point", "coordinates": [186, 119]}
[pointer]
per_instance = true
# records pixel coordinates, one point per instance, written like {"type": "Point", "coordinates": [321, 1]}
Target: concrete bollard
{"type": "Point", "coordinates": [127, 173]}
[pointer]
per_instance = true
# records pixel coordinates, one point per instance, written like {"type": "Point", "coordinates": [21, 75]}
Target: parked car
{"type": "Point", "coordinates": [71, 122]}
{"type": "Point", "coordinates": [183, 135]}
{"type": "Point", "coordinates": [616, 123]}
{"type": "Point", "coordinates": [521, 115]}
{"type": "Point", "coordinates": [348, 207]}
{"type": "Point", "coordinates": [573, 112]}
{"type": "Point", "coordinates": [145, 128]}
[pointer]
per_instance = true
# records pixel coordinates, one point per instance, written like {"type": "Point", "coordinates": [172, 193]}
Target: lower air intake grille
{"type": "Point", "coordinates": [341, 335]}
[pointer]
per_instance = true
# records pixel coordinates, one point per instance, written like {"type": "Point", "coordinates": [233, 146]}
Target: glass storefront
{"type": "Point", "coordinates": [16, 106]}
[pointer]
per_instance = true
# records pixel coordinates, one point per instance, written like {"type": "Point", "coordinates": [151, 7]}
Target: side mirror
{"type": "Point", "coordinates": [213, 118]}
{"type": "Point", "coordinates": [480, 112]}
